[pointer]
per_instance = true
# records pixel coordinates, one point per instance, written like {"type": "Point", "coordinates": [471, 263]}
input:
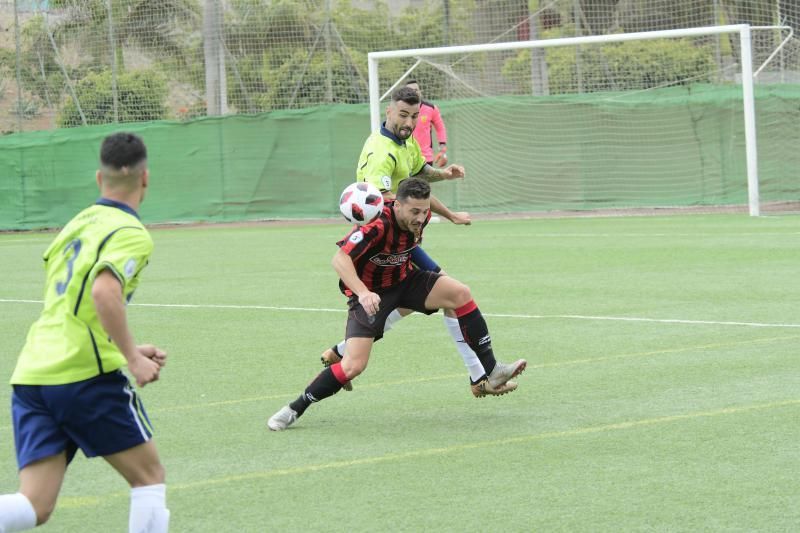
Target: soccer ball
{"type": "Point", "coordinates": [361, 203]}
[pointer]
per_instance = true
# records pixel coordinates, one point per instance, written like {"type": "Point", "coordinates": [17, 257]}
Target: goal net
{"type": "Point", "coordinates": [642, 121]}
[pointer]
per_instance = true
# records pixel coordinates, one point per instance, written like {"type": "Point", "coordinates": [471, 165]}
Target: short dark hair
{"type": "Point", "coordinates": [413, 188]}
{"type": "Point", "coordinates": [122, 150]}
{"type": "Point", "coordinates": [406, 94]}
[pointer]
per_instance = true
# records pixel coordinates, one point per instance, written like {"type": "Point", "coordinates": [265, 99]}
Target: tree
{"type": "Point", "coordinates": [635, 65]}
{"type": "Point", "coordinates": [141, 96]}
{"type": "Point", "coordinates": [137, 22]}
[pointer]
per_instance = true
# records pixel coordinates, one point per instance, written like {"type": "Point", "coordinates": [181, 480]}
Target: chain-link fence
{"type": "Point", "coordinates": [66, 63]}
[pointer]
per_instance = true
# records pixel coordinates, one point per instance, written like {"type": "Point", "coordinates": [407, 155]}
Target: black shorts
{"type": "Point", "coordinates": [409, 294]}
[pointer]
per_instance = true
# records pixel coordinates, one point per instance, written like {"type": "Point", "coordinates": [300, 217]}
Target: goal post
{"type": "Point", "coordinates": [470, 87]}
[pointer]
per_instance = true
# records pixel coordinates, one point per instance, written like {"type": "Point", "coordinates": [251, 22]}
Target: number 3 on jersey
{"type": "Point", "coordinates": [75, 246]}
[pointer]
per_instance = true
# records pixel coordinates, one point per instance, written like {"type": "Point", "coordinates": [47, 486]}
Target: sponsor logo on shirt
{"type": "Point", "coordinates": [390, 260]}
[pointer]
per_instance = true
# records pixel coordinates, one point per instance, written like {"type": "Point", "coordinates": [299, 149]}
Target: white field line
{"type": "Point", "coordinates": [492, 315]}
{"type": "Point", "coordinates": [666, 234]}
{"type": "Point", "coordinates": [26, 239]}
{"type": "Point", "coordinates": [579, 234]}
{"type": "Point", "coordinates": [444, 451]}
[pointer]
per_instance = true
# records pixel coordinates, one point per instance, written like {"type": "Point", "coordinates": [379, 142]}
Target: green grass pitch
{"type": "Point", "coordinates": [682, 418]}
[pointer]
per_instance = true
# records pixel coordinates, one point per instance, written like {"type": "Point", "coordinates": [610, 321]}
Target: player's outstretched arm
{"type": "Point", "coordinates": [431, 175]}
{"type": "Point", "coordinates": [456, 217]}
{"type": "Point", "coordinates": [110, 307]}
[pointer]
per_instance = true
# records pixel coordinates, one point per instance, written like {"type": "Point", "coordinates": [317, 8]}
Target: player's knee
{"type": "Point", "coordinates": [353, 367]}
{"type": "Point", "coordinates": [150, 474]}
{"type": "Point", "coordinates": [462, 295]}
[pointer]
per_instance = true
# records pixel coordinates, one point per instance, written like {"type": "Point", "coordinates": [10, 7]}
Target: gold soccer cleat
{"type": "Point", "coordinates": [485, 388]}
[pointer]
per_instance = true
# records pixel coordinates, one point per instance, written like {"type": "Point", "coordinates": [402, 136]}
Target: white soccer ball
{"type": "Point", "coordinates": [361, 203]}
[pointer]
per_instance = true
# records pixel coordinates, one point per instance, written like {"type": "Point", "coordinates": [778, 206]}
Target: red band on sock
{"type": "Point", "coordinates": [338, 373]}
{"type": "Point", "coordinates": [466, 309]}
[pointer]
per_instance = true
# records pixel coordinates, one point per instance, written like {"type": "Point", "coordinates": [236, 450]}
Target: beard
{"type": "Point", "coordinates": [404, 133]}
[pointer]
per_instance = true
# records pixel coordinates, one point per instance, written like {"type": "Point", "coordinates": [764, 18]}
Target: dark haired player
{"type": "Point", "coordinates": [390, 156]}
{"type": "Point", "coordinates": [375, 273]}
{"type": "Point", "coordinates": [68, 388]}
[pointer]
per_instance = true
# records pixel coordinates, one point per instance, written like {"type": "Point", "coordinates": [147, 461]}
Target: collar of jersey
{"type": "Point", "coordinates": [119, 205]}
{"type": "Point", "coordinates": [392, 136]}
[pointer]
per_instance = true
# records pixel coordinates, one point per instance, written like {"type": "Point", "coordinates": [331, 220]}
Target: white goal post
{"type": "Point", "coordinates": [744, 56]}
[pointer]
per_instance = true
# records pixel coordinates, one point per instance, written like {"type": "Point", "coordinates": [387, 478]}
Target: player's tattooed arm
{"type": "Point", "coordinates": [432, 175]}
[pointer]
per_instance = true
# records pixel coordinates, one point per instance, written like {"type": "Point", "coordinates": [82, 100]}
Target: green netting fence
{"type": "Point", "coordinates": [293, 164]}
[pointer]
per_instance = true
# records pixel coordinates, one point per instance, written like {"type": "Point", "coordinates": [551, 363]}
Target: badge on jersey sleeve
{"type": "Point", "coordinates": [356, 237]}
{"type": "Point", "coordinates": [129, 268]}
{"type": "Point", "coordinates": [387, 182]}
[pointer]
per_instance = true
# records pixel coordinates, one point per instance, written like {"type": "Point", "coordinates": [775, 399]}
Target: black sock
{"type": "Point", "coordinates": [476, 334]}
{"type": "Point", "coordinates": [324, 385]}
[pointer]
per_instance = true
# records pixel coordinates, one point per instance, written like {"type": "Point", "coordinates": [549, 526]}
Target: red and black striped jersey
{"type": "Point", "coordinates": [381, 251]}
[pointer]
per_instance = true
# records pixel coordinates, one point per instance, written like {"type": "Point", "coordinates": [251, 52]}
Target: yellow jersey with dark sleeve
{"type": "Point", "coordinates": [67, 343]}
{"type": "Point", "coordinates": [386, 160]}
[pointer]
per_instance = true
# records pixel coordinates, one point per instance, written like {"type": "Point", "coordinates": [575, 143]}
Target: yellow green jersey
{"type": "Point", "coordinates": [68, 343]}
{"type": "Point", "coordinates": [386, 160]}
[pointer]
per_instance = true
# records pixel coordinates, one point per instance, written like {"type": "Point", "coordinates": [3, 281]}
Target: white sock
{"type": "Point", "coordinates": [391, 320]}
{"type": "Point", "coordinates": [16, 513]}
{"type": "Point", "coordinates": [471, 360]}
{"type": "Point", "coordinates": [149, 512]}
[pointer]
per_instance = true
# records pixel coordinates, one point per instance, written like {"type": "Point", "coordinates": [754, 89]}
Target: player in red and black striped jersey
{"type": "Point", "coordinates": [375, 272]}
{"type": "Point", "coordinates": [381, 250]}
{"type": "Point", "coordinates": [390, 156]}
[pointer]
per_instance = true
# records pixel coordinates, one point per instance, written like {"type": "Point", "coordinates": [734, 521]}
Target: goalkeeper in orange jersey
{"type": "Point", "coordinates": [430, 118]}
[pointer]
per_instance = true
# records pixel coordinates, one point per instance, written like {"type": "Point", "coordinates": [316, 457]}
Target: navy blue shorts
{"type": "Point", "coordinates": [423, 261]}
{"type": "Point", "coordinates": [101, 416]}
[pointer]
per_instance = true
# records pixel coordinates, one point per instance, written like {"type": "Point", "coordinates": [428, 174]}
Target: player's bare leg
{"type": "Point", "coordinates": [358, 350]}
{"type": "Point", "coordinates": [471, 361]}
{"type": "Point", "coordinates": [142, 469]}
{"type": "Point", "coordinates": [40, 482]}
{"type": "Point", "coordinates": [327, 383]}
{"type": "Point", "coordinates": [335, 353]}
{"type": "Point", "coordinates": [501, 374]}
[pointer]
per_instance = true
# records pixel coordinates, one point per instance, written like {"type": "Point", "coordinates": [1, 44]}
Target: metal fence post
{"type": "Point", "coordinates": [113, 50]}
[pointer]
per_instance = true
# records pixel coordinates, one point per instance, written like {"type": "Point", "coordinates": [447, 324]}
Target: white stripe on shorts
{"type": "Point", "coordinates": [135, 414]}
